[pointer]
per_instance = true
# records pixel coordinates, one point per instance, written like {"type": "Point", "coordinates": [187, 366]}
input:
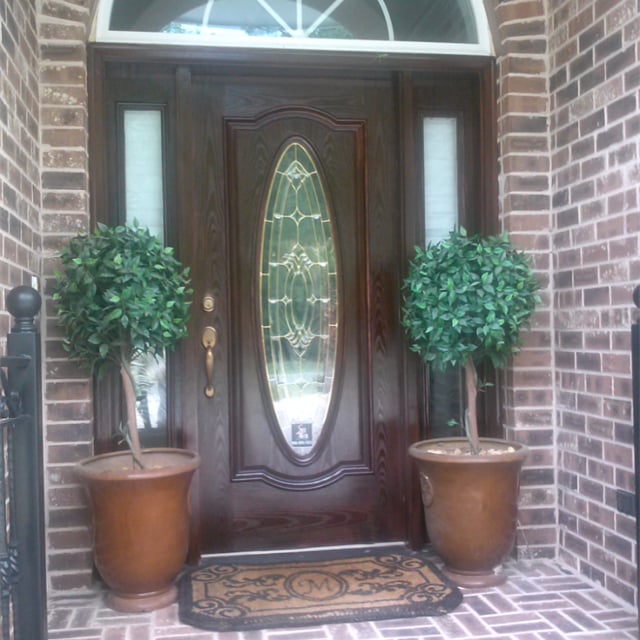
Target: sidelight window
{"type": "Point", "coordinates": [143, 174]}
{"type": "Point", "coordinates": [144, 204]}
{"type": "Point", "coordinates": [440, 176]}
{"type": "Point", "coordinates": [441, 214]}
{"type": "Point", "coordinates": [419, 26]}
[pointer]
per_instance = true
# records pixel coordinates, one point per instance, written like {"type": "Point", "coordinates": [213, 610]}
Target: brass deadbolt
{"type": "Point", "coordinates": [208, 303]}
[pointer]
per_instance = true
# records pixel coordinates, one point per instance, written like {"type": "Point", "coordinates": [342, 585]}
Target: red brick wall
{"type": "Point", "coordinates": [568, 122]}
{"type": "Point", "coordinates": [595, 120]}
{"type": "Point", "coordinates": [19, 150]}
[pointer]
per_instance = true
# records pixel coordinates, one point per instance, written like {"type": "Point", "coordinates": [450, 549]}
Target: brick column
{"type": "Point", "coordinates": [525, 212]}
{"type": "Point", "coordinates": [65, 211]}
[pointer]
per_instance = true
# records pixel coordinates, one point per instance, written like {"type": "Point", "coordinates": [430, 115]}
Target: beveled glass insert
{"type": "Point", "coordinates": [299, 297]}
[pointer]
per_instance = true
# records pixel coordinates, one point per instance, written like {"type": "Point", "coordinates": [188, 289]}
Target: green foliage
{"type": "Point", "coordinates": [468, 298]}
{"type": "Point", "coordinates": [120, 294]}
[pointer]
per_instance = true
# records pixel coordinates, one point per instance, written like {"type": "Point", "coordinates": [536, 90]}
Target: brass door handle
{"type": "Point", "coordinates": [209, 339]}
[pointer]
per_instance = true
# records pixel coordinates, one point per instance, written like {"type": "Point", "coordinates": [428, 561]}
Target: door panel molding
{"type": "Point", "coordinates": [257, 142]}
{"type": "Point", "coordinates": [298, 483]}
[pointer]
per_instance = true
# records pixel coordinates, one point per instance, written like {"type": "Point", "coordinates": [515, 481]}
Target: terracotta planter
{"type": "Point", "coordinates": [470, 506]}
{"type": "Point", "coordinates": [140, 523]}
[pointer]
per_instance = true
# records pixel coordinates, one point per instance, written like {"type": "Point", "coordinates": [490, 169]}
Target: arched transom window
{"type": "Point", "coordinates": [412, 26]}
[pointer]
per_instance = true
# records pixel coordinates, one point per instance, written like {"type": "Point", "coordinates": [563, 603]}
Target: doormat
{"type": "Point", "coordinates": [234, 596]}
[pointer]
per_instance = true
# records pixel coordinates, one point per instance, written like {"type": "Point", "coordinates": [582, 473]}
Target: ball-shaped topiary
{"type": "Point", "coordinates": [466, 301]}
{"type": "Point", "coordinates": [120, 294]}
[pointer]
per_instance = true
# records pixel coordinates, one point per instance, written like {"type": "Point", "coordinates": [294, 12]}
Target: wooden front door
{"type": "Point", "coordinates": [295, 247]}
{"type": "Point", "coordinates": [296, 198]}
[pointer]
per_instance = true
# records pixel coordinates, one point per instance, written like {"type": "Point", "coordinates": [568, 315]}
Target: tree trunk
{"type": "Point", "coordinates": [133, 439]}
{"type": "Point", "coordinates": [471, 413]}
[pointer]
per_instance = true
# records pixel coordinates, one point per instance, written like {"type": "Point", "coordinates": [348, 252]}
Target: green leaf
{"type": "Point", "coordinates": [116, 313]}
{"type": "Point", "coordinates": [467, 296]}
{"type": "Point", "coordinates": [112, 287]}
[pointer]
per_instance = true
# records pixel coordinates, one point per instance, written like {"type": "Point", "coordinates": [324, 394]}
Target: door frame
{"type": "Point", "coordinates": [411, 72]}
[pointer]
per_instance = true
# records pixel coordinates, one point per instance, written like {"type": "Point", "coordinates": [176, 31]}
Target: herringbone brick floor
{"type": "Point", "coordinates": [540, 601]}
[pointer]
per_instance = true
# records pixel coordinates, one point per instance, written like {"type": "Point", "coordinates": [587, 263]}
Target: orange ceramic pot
{"type": "Point", "coordinates": [470, 505]}
{"type": "Point", "coordinates": [140, 523]}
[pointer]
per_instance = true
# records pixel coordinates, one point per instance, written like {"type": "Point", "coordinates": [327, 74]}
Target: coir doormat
{"type": "Point", "coordinates": [233, 596]}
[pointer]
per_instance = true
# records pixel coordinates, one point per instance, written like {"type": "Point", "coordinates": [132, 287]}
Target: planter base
{"type": "Point", "coordinates": [139, 603]}
{"type": "Point", "coordinates": [472, 580]}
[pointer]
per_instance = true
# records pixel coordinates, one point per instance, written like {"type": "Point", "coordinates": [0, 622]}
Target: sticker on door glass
{"type": "Point", "coordinates": [302, 435]}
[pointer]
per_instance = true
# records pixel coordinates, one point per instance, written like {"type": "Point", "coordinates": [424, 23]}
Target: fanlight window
{"type": "Point", "coordinates": [430, 26]}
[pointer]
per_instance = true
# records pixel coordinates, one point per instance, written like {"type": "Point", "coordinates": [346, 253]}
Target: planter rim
{"type": "Point", "coordinates": [418, 451]}
{"type": "Point", "coordinates": [186, 461]}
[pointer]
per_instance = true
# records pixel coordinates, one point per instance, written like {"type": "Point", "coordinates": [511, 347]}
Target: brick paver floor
{"type": "Point", "coordinates": [540, 601]}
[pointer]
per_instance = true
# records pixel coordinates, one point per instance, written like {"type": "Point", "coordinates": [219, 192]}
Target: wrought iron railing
{"type": "Point", "coordinates": [635, 370]}
{"type": "Point", "coordinates": [23, 605]}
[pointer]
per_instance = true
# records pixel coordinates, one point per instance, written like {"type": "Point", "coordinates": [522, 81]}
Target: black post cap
{"type": "Point", "coordinates": [23, 303]}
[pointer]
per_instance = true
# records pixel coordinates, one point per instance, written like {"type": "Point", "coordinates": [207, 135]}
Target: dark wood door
{"type": "Point", "coordinates": [295, 238]}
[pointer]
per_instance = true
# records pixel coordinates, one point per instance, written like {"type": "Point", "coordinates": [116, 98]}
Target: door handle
{"type": "Point", "coordinates": [209, 339]}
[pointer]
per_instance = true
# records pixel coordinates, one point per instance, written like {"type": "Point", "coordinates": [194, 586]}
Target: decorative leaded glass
{"type": "Point", "coordinates": [298, 297]}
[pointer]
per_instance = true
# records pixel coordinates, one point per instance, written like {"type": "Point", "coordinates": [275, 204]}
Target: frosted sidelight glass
{"type": "Point", "coordinates": [441, 213]}
{"type": "Point", "coordinates": [144, 183]}
{"type": "Point", "coordinates": [440, 176]}
{"type": "Point", "coordinates": [144, 202]}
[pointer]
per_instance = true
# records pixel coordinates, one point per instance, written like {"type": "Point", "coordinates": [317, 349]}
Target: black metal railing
{"type": "Point", "coordinates": [23, 604]}
{"type": "Point", "coordinates": [635, 371]}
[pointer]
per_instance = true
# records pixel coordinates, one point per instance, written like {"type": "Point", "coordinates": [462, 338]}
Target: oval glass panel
{"type": "Point", "coordinates": [298, 298]}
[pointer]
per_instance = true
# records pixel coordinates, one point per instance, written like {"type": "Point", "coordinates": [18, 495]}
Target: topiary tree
{"type": "Point", "coordinates": [466, 300]}
{"type": "Point", "coordinates": [121, 294]}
